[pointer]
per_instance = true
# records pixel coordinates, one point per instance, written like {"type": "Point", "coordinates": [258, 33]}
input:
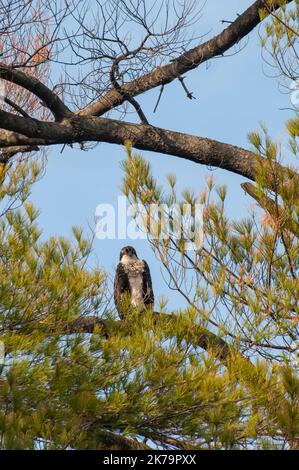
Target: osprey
{"type": "Point", "coordinates": [133, 278]}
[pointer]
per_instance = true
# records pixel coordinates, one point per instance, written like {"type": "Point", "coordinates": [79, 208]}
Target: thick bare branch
{"type": "Point", "coordinates": [10, 152]}
{"type": "Point", "coordinates": [189, 60]}
{"type": "Point", "coordinates": [32, 84]}
{"type": "Point", "coordinates": [27, 131]}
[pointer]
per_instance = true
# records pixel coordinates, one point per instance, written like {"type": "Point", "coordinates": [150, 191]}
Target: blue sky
{"type": "Point", "coordinates": [234, 95]}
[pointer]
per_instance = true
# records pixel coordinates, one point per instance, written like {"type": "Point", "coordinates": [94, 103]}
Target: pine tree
{"type": "Point", "coordinates": [220, 373]}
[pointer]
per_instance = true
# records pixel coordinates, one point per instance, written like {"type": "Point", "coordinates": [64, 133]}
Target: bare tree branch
{"type": "Point", "coordinates": [189, 60]}
{"type": "Point", "coordinates": [10, 152]}
{"type": "Point", "coordinates": [200, 150]}
{"type": "Point", "coordinates": [32, 84]}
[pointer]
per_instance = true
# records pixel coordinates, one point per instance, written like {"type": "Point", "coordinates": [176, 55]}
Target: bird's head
{"type": "Point", "coordinates": [129, 252]}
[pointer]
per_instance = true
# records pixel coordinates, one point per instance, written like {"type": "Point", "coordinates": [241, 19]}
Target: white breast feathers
{"type": "Point", "coordinates": [134, 269]}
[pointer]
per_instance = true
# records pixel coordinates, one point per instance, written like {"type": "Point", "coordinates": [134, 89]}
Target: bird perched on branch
{"type": "Point", "coordinates": [132, 281]}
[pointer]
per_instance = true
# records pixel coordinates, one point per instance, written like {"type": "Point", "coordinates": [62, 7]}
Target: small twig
{"type": "Point", "coordinates": [229, 22]}
{"type": "Point", "coordinates": [138, 109]}
{"type": "Point", "coordinates": [71, 145]}
{"type": "Point", "coordinates": [63, 147]}
{"type": "Point", "coordinates": [15, 107]}
{"type": "Point", "coordinates": [188, 93]}
{"type": "Point", "coordinates": [130, 99]}
{"type": "Point", "coordinates": [159, 97]}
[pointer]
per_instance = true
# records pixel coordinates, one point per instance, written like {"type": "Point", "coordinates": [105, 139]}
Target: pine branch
{"type": "Point", "coordinates": [274, 210]}
{"type": "Point", "coordinates": [200, 337]}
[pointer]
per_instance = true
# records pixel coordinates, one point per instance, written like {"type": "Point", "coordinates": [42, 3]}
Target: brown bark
{"type": "Point", "coordinates": [32, 84]}
{"type": "Point", "coordinates": [27, 131]}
